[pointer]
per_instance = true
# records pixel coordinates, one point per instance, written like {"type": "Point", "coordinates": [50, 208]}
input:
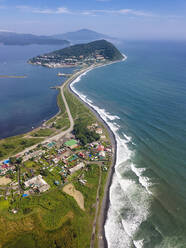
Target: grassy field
{"type": "Point", "coordinates": [43, 133]}
{"type": "Point", "coordinates": [62, 120]}
{"type": "Point", "coordinates": [50, 220]}
{"type": "Point", "coordinates": [13, 145]}
{"type": "Point", "coordinates": [78, 109]}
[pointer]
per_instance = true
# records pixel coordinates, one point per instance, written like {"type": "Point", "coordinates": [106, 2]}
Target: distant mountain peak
{"type": "Point", "coordinates": [82, 36]}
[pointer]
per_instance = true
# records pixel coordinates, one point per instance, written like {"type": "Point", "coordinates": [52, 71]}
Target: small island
{"type": "Point", "coordinates": [54, 180]}
{"type": "Point", "coordinates": [100, 51]}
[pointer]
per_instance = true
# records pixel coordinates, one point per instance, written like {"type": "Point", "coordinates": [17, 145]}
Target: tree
{"type": "Point", "coordinates": [12, 160]}
{"type": "Point", "coordinates": [19, 160]}
{"type": "Point", "coordinates": [83, 133]}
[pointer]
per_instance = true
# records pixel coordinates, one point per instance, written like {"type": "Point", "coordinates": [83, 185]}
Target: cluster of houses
{"type": "Point", "coordinates": [50, 164]}
{"type": "Point", "coordinates": [52, 61]}
{"type": "Point", "coordinates": [5, 167]}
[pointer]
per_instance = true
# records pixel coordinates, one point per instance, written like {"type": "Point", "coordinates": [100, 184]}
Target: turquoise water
{"type": "Point", "coordinates": [143, 100]}
{"type": "Point", "coordinates": [25, 102]}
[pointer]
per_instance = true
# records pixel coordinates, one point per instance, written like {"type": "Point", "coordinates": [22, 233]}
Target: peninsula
{"type": "Point", "coordinates": [55, 192]}
{"type": "Point", "coordinates": [100, 51]}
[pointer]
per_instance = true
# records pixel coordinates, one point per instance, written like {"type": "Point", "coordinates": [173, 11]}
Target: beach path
{"type": "Point", "coordinates": [77, 195]}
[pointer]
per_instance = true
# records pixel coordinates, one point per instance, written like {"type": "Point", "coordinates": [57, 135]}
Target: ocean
{"type": "Point", "coordinates": [143, 101]}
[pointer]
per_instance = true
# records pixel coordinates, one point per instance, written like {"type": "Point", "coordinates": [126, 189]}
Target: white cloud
{"type": "Point", "coordinates": [60, 10]}
{"type": "Point", "coordinates": [120, 12]}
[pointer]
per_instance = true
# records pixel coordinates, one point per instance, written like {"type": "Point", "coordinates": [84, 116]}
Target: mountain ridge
{"type": "Point", "coordinates": [83, 36]}
{"type": "Point", "coordinates": [13, 38]}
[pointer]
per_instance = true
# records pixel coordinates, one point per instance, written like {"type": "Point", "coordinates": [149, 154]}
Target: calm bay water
{"type": "Point", "coordinates": [25, 102]}
{"type": "Point", "coordinates": [143, 100]}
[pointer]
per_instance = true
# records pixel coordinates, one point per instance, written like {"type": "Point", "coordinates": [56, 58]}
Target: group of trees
{"type": "Point", "coordinates": [83, 134]}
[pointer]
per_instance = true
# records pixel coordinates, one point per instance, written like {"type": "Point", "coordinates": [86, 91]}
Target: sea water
{"type": "Point", "coordinates": [143, 101]}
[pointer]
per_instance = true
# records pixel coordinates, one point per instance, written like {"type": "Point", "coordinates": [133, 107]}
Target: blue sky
{"type": "Point", "coordinates": [129, 19]}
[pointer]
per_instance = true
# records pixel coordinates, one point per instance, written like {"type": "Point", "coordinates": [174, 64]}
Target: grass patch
{"type": "Point", "coordinates": [11, 146]}
{"type": "Point", "coordinates": [43, 133]}
{"type": "Point", "coordinates": [78, 109]}
{"type": "Point", "coordinates": [62, 120]}
{"type": "Point", "coordinates": [4, 205]}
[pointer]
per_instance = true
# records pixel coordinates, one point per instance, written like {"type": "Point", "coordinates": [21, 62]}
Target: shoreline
{"type": "Point", "coordinates": [102, 217]}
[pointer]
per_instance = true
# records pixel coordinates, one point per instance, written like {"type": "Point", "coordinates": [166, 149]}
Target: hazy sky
{"type": "Point", "coordinates": [138, 19]}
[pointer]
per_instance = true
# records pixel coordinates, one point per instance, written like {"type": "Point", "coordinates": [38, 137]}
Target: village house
{"type": "Point", "coordinates": [37, 183]}
{"type": "Point", "coordinates": [77, 167]}
{"type": "Point", "coordinates": [71, 143]}
{"type": "Point", "coordinates": [99, 130]}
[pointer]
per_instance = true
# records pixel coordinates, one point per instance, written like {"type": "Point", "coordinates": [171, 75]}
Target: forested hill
{"type": "Point", "coordinates": [96, 51]}
{"type": "Point", "coordinates": [101, 47]}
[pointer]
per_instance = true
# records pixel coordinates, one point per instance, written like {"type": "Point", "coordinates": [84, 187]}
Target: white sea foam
{"type": "Point", "coordinates": [139, 243]}
{"type": "Point", "coordinates": [128, 139]}
{"type": "Point", "coordinates": [145, 182]}
{"type": "Point", "coordinates": [124, 192]}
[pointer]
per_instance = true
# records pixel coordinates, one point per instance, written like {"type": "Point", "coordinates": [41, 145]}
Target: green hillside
{"type": "Point", "coordinates": [81, 52]}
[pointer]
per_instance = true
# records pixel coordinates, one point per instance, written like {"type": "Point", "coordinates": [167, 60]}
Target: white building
{"type": "Point", "coordinates": [37, 183]}
{"type": "Point", "coordinates": [77, 167]}
{"type": "Point", "coordinates": [99, 130]}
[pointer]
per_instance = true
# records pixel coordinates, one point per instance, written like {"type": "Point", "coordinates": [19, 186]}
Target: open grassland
{"type": "Point", "coordinates": [61, 120]}
{"type": "Point", "coordinates": [78, 109]}
{"type": "Point", "coordinates": [13, 145]}
{"type": "Point", "coordinates": [50, 220]}
{"type": "Point", "coordinates": [43, 133]}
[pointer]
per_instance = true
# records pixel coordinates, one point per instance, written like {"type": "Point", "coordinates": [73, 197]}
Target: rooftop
{"type": "Point", "coordinates": [71, 142]}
